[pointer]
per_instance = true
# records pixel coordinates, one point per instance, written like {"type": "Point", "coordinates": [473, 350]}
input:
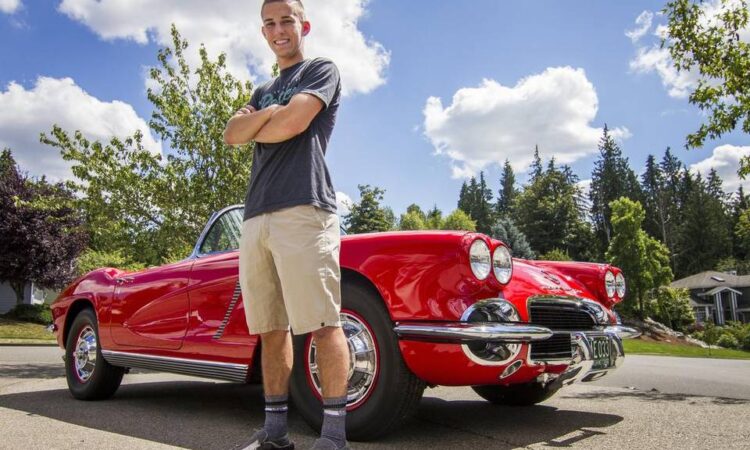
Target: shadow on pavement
{"type": "Point", "coordinates": [45, 371]}
{"type": "Point", "coordinates": [206, 415]}
{"type": "Point", "coordinates": [655, 395]}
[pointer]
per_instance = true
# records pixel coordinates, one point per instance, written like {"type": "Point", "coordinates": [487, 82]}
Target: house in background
{"type": "Point", "coordinates": [719, 296]}
{"type": "Point", "coordinates": [32, 295]}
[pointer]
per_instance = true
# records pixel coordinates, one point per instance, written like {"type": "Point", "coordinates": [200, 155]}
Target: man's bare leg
{"type": "Point", "coordinates": [276, 360]}
{"type": "Point", "coordinates": [332, 356]}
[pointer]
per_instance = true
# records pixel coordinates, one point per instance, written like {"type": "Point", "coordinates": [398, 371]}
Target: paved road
{"type": "Point", "coordinates": [154, 411]}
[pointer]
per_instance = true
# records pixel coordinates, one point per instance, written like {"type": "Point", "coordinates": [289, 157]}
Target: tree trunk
{"type": "Point", "coordinates": [18, 288]}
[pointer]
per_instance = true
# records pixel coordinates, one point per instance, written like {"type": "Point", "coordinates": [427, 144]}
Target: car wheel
{"type": "Point", "coordinates": [382, 391]}
{"type": "Point", "coordinates": [89, 376]}
{"type": "Point", "coordinates": [517, 394]}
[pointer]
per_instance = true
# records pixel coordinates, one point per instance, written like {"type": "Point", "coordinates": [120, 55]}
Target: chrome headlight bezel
{"type": "Point", "coordinates": [480, 259]}
{"type": "Point", "coordinates": [620, 286]}
{"type": "Point", "coordinates": [502, 264]}
{"type": "Point", "coordinates": [609, 283]}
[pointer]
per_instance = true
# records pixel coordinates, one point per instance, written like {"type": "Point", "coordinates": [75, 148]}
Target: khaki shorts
{"type": "Point", "coordinates": [289, 270]}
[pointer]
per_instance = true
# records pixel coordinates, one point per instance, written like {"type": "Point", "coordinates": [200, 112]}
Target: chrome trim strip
{"type": "Point", "coordinates": [199, 368]}
{"type": "Point", "coordinates": [478, 331]}
{"type": "Point", "coordinates": [623, 332]}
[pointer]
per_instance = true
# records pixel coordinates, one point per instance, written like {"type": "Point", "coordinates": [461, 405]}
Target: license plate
{"type": "Point", "coordinates": [602, 352]}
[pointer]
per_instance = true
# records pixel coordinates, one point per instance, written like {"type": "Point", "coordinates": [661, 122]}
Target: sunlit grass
{"type": "Point", "coordinates": [19, 332]}
{"type": "Point", "coordinates": [640, 347]}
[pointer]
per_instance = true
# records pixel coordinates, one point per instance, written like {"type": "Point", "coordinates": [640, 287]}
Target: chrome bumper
{"type": "Point", "coordinates": [472, 331]}
{"type": "Point", "coordinates": [581, 366]}
{"type": "Point", "coordinates": [493, 332]}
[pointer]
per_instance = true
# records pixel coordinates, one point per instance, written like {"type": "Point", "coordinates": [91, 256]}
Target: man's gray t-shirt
{"type": "Point", "coordinates": [294, 172]}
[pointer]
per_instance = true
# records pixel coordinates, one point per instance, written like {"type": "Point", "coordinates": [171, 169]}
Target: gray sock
{"type": "Point", "coordinates": [334, 420]}
{"type": "Point", "coordinates": [276, 409]}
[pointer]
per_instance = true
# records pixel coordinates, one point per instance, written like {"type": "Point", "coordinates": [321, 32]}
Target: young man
{"type": "Point", "coordinates": [289, 249]}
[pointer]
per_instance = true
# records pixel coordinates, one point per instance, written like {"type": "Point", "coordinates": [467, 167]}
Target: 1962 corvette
{"type": "Point", "coordinates": [419, 309]}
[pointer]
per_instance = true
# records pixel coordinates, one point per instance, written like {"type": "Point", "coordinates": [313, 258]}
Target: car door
{"type": "Point", "coordinates": [150, 308]}
{"type": "Point", "coordinates": [217, 328]}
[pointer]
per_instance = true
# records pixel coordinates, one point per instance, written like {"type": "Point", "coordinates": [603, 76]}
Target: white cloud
{"type": "Point", "coordinates": [492, 122]}
{"type": "Point", "coordinates": [233, 27]}
{"type": "Point", "coordinates": [9, 6]}
{"type": "Point", "coordinates": [655, 59]}
{"type": "Point", "coordinates": [24, 114]}
{"type": "Point", "coordinates": [643, 24]}
{"type": "Point", "coordinates": [725, 159]}
{"type": "Point", "coordinates": [343, 203]}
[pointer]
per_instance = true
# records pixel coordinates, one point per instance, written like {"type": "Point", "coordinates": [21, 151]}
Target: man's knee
{"type": "Point", "coordinates": [326, 333]}
{"type": "Point", "coordinates": [274, 338]}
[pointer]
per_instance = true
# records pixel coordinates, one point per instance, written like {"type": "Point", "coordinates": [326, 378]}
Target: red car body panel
{"type": "Point", "coordinates": [177, 310]}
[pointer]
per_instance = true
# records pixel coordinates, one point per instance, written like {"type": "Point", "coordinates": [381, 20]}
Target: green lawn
{"type": "Point", "coordinates": [637, 346]}
{"type": "Point", "coordinates": [14, 332]}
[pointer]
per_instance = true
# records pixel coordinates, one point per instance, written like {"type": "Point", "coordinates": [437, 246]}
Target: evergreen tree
{"type": "Point", "coordinates": [464, 199]}
{"type": "Point", "coordinates": [611, 179]}
{"type": "Point", "coordinates": [740, 204]}
{"type": "Point", "coordinates": [434, 219]}
{"type": "Point", "coordinates": [505, 230]}
{"type": "Point", "coordinates": [536, 170]}
{"type": "Point", "coordinates": [549, 215]}
{"type": "Point", "coordinates": [367, 215]}
{"type": "Point", "coordinates": [483, 213]}
{"type": "Point", "coordinates": [703, 237]}
{"type": "Point", "coordinates": [507, 193]}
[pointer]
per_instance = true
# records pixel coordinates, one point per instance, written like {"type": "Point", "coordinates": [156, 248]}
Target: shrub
{"type": "Point", "coordinates": [728, 341]}
{"type": "Point", "coordinates": [746, 344]}
{"type": "Point", "coordinates": [31, 313]}
{"type": "Point", "coordinates": [671, 306]}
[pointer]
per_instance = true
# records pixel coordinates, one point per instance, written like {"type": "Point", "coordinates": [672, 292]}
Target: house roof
{"type": "Point", "coordinates": [712, 279]}
{"type": "Point", "coordinates": [718, 289]}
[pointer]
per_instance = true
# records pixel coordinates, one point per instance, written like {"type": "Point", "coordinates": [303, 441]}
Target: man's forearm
{"type": "Point", "coordinates": [243, 128]}
{"type": "Point", "coordinates": [282, 126]}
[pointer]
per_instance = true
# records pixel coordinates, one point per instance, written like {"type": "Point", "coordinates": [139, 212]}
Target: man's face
{"type": "Point", "coordinates": [283, 30]}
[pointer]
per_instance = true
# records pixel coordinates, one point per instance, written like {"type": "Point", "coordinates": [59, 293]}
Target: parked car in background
{"type": "Point", "coordinates": [419, 309]}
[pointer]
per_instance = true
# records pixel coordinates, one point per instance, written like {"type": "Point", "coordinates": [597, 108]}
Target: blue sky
{"type": "Point", "coordinates": [436, 91]}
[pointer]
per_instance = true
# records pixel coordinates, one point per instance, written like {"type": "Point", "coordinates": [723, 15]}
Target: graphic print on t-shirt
{"type": "Point", "coordinates": [279, 96]}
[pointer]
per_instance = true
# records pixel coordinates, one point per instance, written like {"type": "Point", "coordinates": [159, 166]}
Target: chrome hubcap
{"type": "Point", "coordinates": [363, 360]}
{"type": "Point", "coordinates": [85, 353]}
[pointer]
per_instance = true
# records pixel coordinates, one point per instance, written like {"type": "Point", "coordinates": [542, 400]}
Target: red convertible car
{"type": "Point", "coordinates": [419, 309]}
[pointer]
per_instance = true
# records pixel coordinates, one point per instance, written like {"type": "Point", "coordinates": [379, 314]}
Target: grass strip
{"type": "Point", "coordinates": [640, 347]}
{"type": "Point", "coordinates": [24, 331]}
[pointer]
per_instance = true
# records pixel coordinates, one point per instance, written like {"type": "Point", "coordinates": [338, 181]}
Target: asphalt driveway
{"type": "Point", "coordinates": [639, 407]}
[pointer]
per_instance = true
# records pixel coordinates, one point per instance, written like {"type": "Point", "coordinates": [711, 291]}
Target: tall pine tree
{"type": "Point", "coordinates": [611, 179]}
{"type": "Point", "coordinates": [507, 193]}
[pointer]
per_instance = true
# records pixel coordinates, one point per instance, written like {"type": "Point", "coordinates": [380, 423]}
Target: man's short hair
{"type": "Point", "coordinates": [297, 7]}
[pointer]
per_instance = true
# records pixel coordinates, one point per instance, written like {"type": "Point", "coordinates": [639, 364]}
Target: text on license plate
{"type": "Point", "coordinates": [602, 350]}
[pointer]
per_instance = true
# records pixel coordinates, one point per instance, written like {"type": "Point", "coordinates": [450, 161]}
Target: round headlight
{"type": "Point", "coordinates": [502, 264]}
{"type": "Point", "coordinates": [479, 257]}
{"type": "Point", "coordinates": [620, 285]}
{"type": "Point", "coordinates": [609, 283]}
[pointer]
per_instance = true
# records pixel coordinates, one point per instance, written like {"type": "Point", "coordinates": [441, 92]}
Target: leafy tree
{"type": "Point", "coordinates": [643, 259]}
{"type": "Point", "coordinates": [92, 259]}
{"type": "Point", "coordinates": [459, 220]}
{"type": "Point", "coordinates": [740, 204]}
{"type": "Point", "coordinates": [415, 209]}
{"type": "Point", "coordinates": [152, 208]}
{"type": "Point", "coordinates": [505, 230]}
{"type": "Point", "coordinates": [711, 47]}
{"type": "Point", "coordinates": [742, 232]}
{"type": "Point", "coordinates": [555, 255]}
{"type": "Point", "coordinates": [671, 306]}
{"type": "Point", "coordinates": [740, 266]}
{"type": "Point", "coordinates": [42, 233]}
{"type": "Point", "coordinates": [434, 219]}
{"type": "Point", "coordinates": [412, 221]}
{"type": "Point", "coordinates": [508, 192]}
{"type": "Point", "coordinates": [611, 179]}
{"type": "Point", "coordinates": [367, 215]}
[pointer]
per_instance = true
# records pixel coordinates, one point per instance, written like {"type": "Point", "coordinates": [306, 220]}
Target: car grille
{"type": "Point", "coordinates": [559, 346]}
{"type": "Point", "coordinates": [560, 317]}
